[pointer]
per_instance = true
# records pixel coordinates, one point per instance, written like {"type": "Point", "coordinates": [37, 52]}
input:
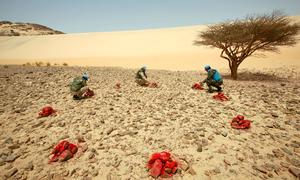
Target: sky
{"type": "Point", "coordinates": [77, 16]}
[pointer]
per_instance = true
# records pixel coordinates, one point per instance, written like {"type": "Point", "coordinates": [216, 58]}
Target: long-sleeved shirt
{"type": "Point", "coordinates": [141, 74]}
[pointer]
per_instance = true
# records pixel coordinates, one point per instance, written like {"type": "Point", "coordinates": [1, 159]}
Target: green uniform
{"type": "Point", "coordinates": [78, 86]}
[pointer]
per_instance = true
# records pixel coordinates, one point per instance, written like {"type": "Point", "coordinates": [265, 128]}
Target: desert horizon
{"type": "Point", "coordinates": [166, 48]}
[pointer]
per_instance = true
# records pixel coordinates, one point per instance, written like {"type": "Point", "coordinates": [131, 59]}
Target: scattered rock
{"type": "Point", "coordinates": [192, 171]}
{"type": "Point", "coordinates": [80, 138]}
{"type": "Point", "coordinates": [11, 172]}
{"type": "Point", "coordinates": [29, 166]}
{"type": "Point", "coordinates": [14, 146]}
{"type": "Point", "coordinates": [260, 169]}
{"type": "Point", "coordinates": [110, 130]}
{"type": "Point", "coordinates": [11, 158]}
{"type": "Point", "coordinates": [224, 133]}
{"type": "Point", "coordinates": [222, 150]}
{"type": "Point", "coordinates": [287, 151]}
{"type": "Point", "coordinates": [295, 171]}
{"type": "Point", "coordinates": [199, 147]}
{"type": "Point", "coordinates": [277, 153]}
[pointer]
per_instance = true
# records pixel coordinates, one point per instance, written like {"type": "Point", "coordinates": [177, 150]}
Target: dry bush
{"type": "Point", "coordinates": [48, 64]}
{"type": "Point", "coordinates": [40, 63]}
{"type": "Point", "coordinates": [65, 64]}
{"type": "Point", "coordinates": [5, 66]}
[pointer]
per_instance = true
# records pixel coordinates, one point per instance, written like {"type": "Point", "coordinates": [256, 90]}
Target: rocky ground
{"type": "Point", "coordinates": [121, 128]}
{"type": "Point", "coordinates": [8, 28]}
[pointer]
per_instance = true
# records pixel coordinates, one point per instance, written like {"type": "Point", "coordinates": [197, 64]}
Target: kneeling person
{"type": "Point", "coordinates": [214, 79]}
{"type": "Point", "coordinates": [141, 77]}
{"type": "Point", "coordinates": [79, 86]}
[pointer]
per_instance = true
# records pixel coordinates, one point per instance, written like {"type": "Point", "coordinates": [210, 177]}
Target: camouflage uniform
{"type": "Point", "coordinates": [140, 77]}
{"type": "Point", "coordinates": [210, 82]}
{"type": "Point", "coordinates": [83, 88]}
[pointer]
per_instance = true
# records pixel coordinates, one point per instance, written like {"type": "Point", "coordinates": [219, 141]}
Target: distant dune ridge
{"type": "Point", "coordinates": [8, 28]}
{"type": "Point", "coordinates": [168, 48]}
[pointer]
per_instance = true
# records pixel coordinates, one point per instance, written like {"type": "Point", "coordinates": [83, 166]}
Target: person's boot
{"type": "Point", "coordinates": [219, 89]}
{"type": "Point", "coordinates": [75, 97]}
{"type": "Point", "coordinates": [210, 90]}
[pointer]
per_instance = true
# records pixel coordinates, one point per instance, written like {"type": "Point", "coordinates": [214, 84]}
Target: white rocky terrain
{"type": "Point", "coordinates": [122, 128]}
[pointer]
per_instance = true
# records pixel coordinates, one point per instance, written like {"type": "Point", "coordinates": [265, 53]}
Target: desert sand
{"type": "Point", "coordinates": [169, 48]}
{"type": "Point", "coordinates": [122, 128]}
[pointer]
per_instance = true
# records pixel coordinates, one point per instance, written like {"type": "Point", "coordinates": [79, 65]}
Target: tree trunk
{"type": "Point", "coordinates": [233, 70]}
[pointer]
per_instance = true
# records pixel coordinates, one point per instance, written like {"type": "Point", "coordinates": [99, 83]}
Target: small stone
{"type": "Point", "coordinates": [29, 166]}
{"type": "Point", "coordinates": [184, 165]}
{"type": "Point", "coordinates": [80, 138]}
{"type": "Point", "coordinates": [65, 173]}
{"type": "Point", "coordinates": [274, 114]}
{"type": "Point", "coordinates": [204, 142]}
{"type": "Point", "coordinates": [260, 169]}
{"type": "Point", "coordinates": [14, 146]}
{"type": "Point", "coordinates": [277, 153]}
{"type": "Point", "coordinates": [11, 158]}
{"type": "Point", "coordinates": [11, 172]}
{"type": "Point", "coordinates": [284, 164]}
{"type": "Point", "coordinates": [211, 137]}
{"type": "Point", "coordinates": [295, 162]}
{"type": "Point", "coordinates": [94, 172]}
{"type": "Point", "coordinates": [201, 134]}
{"type": "Point", "coordinates": [8, 140]}
{"type": "Point", "coordinates": [222, 151]}
{"type": "Point", "coordinates": [240, 157]}
{"type": "Point", "coordinates": [110, 130]}
{"type": "Point", "coordinates": [192, 171]}
{"type": "Point", "coordinates": [224, 134]}
{"type": "Point", "coordinates": [227, 162]}
{"type": "Point", "coordinates": [287, 151]}
{"type": "Point", "coordinates": [217, 171]}
{"type": "Point", "coordinates": [295, 171]}
{"type": "Point", "coordinates": [91, 155]}
{"type": "Point", "coordinates": [84, 147]}
{"type": "Point", "coordinates": [199, 147]}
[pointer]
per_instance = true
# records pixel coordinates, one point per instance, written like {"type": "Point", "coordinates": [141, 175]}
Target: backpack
{"type": "Point", "coordinates": [77, 84]}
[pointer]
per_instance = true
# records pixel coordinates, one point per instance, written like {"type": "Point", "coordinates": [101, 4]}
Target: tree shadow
{"type": "Point", "coordinates": [256, 76]}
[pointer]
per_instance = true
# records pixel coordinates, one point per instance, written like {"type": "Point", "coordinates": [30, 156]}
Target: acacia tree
{"type": "Point", "coordinates": [240, 39]}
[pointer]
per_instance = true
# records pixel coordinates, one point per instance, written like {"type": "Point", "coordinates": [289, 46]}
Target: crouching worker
{"type": "Point", "coordinates": [141, 77]}
{"type": "Point", "coordinates": [214, 79]}
{"type": "Point", "coordinates": [79, 87]}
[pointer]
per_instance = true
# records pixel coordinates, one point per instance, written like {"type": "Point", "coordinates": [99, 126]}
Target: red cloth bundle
{"type": "Point", "coordinates": [240, 123]}
{"type": "Point", "coordinates": [46, 111]}
{"type": "Point", "coordinates": [153, 85]}
{"type": "Point", "coordinates": [88, 93]}
{"type": "Point", "coordinates": [161, 164]}
{"type": "Point", "coordinates": [63, 151]}
{"type": "Point", "coordinates": [197, 86]}
{"type": "Point", "coordinates": [221, 97]}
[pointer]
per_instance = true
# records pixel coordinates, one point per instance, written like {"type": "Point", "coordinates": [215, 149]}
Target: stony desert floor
{"type": "Point", "coordinates": [121, 128]}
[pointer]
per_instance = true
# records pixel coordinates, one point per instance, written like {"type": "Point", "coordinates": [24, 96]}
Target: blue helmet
{"type": "Point", "coordinates": [85, 76]}
{"type": "Point", "coordinates": [207, 67]}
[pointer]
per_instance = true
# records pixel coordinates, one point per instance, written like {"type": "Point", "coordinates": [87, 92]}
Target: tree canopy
{"type": "Point", "coordinates": [240, 39]}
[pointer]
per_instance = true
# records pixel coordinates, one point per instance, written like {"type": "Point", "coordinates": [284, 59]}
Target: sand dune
{"type": "Point", "coordinates": [170, 48]}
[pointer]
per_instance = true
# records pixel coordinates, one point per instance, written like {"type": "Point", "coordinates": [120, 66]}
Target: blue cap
{"type": "Point", "coordinates": [207, 67]}
{"type": "Point", "coordinates": [85, 76]}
